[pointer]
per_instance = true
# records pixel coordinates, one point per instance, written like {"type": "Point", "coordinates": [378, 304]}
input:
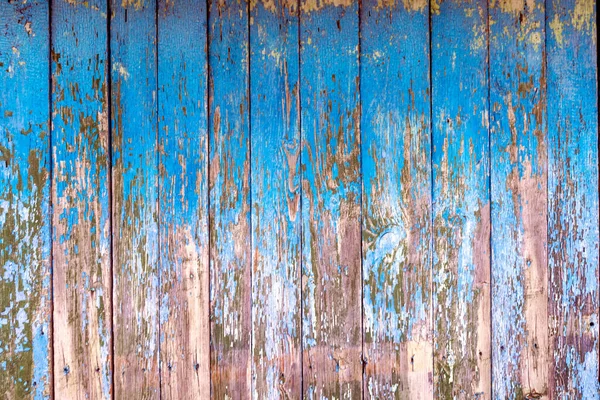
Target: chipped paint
{"type": "Point", "coordinates": [134, 198]}
{"type": "Point", "coordinates": [308, 6]}
{"type": "Point", "coordinates": [396, 229]}
{"type": "Point", "coordinates": [331, 193]}
{"type": "Point", "coordinates": [81, 237]}
{"type": "Point", "coordinates": [229, 191]}
{"type": "Point", "coordinates": [573, 204]}
{"type": "Point", "coordinates": [25, 218]}
{"type": "Point", "coordinates": [584, 15]}
{"type": "Point", "coordinates": [518, 131]}
{"type": "Point", "coordinates": [461, 258]}
{"type": "Point", "coordinates": [275, 141]}
{"type": "Point", "coordinates": [183, 190]}
{"type": "Point", "coordinates": [261, 243]}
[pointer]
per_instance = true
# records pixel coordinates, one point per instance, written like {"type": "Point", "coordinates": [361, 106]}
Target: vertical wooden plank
{"type": "Point", "coordinates": [135, 228]}
{"type": "Point", "coordinates": [81, 218]}
{"type": "Point", "coordinates": [331, 196]}
{"type": "Point", "coordinates": [275, 141]}
{"type": "Point", "coordinates": [229, 197]}
{"type": "Point", "coordinates": [573, 198]}
{"type": "Point", "coordinates": [25, 222]}
{"type": "Point", "coordinates": [183, 188]}
{"type": "Point", "coordinates": [396, 162]}
{"type": "Point", "coordinates": [461, 199]}
{"type": "Point", "coordinates": [518, 189]}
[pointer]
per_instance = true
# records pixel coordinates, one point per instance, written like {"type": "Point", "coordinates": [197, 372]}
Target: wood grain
{"type": "Point", "coordinates": [461, 212]}
{"type": "Point", "coordinates": [80, 195]}
{"type": "Point", "coordinates": [25, 208]}
{"type": "Point", "coordinates": [518, 187]}
{"type": "Point", "coordinates": [396, 160]}
{"type": "Point", "coordinates": [320, 199]}
{"type": "Point", "coordinates": [331, 193]}
{"type": "Point", "coordinates": [275, 177]}
{"type": "Point", "coordinates": [135, 199]}
{"type": "Point", "coordinates": [229, 196]}
{"type": "Point", "coordinates": [183, 191]}
{"type": "Point", "coordinates": [573, 198]}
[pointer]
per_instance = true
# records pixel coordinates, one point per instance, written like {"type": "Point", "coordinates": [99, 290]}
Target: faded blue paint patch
{"type": "Point", "coordinates": [461, 198]}
{"type": "Point", "coordinates": [275, 147]}
{"type": "Point", "coordinates": [24, 200]}
{"type": "Point", "coordinates": [573, 197]}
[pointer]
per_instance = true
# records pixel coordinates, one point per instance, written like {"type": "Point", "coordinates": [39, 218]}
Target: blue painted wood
{"type": "Point", "coordinates": [135, 199]}
{"type": "Point", "coordinates": [461, 212]}
{"type": "Point", "coordinates": [573, 198]}
{"type": "Point", "coordinates": [396, 160]}
{"type": "Point", "coordinates": [243, 192]}
{"type": "Point", "coordinates": [183, 190]}
{"type": "Point", "coordinates": [331, 193]}
{"type": "Point", "coordinates": [518, 187]}
{"type": "Point", "coordinates": [81, 218]}
{"type": "Point", "coordinates": [275, 141]}
{"type": "Point", "coordinates": [25, 219]}
{"type": "Point", "coordinates": [229, 196]}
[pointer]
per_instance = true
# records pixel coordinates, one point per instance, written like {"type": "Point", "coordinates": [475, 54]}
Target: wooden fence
{"type": "Point", "coordinates": [282, 199]}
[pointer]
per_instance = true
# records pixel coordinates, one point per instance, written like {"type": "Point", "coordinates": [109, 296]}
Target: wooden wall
{"type": "Point", "coordinates": [284, 199]}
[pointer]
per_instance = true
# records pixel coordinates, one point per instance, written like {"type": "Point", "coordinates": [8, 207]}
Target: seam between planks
{"type": "Point", "coordinates": [301, 188]}
{"type": "Point", "coordinates": [251, 204]}
{"type": "Point", "coordinates": [208, 213]}
{"type": "Point", "coordinates": [51, 371]}
{"type": "Point", "coordinates": [158, 193]}
{"type": "Point", "coordinates": [489, 194]}
{"type": "Point", "coordinates": [431, 201]}
{"type": "Point", "coordinates": [362, 191]}
{"type": "Point", "coordinates": [110, 194]}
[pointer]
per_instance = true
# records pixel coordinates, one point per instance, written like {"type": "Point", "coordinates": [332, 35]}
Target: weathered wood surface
{"type": "Point", "coordinates": [276, 218]}
{"type": "Point", "coordinates": [299, 199]}
{"type": "Point", "coordinates": [518, 136]}
{"type": "Point", "coordinates": [331, 195]}
{"type": "Point", "coordinates": [396, 233]}
{"type": "Point", "coordinates": [229, 199]}
{"type": "Point", "coordinates": [135, 199]}
{"type": "Point", "coordinates": [80, 197]}
{"type": "Point", "coordinates": [183, 199]}
{"type": "Point", "coordinates": [573, 199]}
{"type": "Point", "coordinates": [25, 213]}
{"type": "Point", "coordinates": [461, 211]}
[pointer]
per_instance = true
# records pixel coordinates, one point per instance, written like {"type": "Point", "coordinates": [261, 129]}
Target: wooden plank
{"type": "Point", "coordinates": [183, 187]}
{"type": "Point", "coordinates": [461, 212]}
{"type": "Point", "coordinates": [275, 177]}
{"type": "Point", "coordinates": [80, 196]}
{"type": "Point", "coordinates": [134, 196]}
{"type": "Point", "coordinates": [396, 160]}
{"type": "Point", "coordinates": [229, 199]}
{"type": "Point", "coordinates": [518, 188]}
{"type": "Point", "coordinates": [573, 198]}
{"type": "Point", "coordinates": [25, 222]}
{"type": "Point", "coordinates": [331, 196]}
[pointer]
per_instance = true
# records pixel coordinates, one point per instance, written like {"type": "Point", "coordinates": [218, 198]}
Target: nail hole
{"type": "Point", "coordinates": [66, 369]}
